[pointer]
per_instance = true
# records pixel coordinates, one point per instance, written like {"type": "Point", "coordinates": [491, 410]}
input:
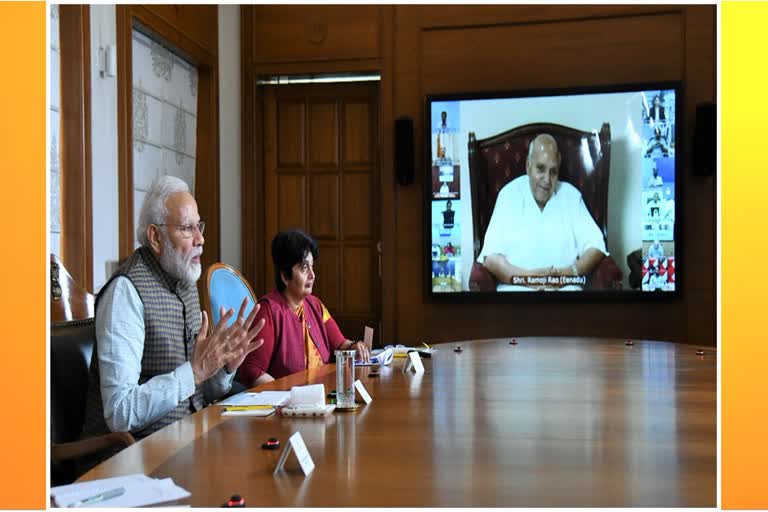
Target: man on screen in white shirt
{"type": "Point", "coordinates": [540, 227]}
{"type": "Point", "coordinates": [656, 251]}
{"type": "Point", "coordinates": [655, 180]}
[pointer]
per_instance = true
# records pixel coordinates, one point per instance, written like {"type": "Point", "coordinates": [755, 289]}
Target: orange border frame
{"type": "Point", "coordinates": [23, 143]}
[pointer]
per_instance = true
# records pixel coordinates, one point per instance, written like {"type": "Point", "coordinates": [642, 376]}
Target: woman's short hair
{"type": "Point", "coordinates": [290, 247]}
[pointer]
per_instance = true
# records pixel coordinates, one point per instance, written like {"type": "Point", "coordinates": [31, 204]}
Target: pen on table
{"type": "Point", "coordinates": [114, 493]}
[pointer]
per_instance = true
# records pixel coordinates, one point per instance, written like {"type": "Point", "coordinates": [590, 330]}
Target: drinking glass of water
{"type": "Point", "coordinates": [345, 378]}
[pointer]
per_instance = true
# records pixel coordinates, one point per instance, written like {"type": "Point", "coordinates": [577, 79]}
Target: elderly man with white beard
{"type": "Point", "coordinates": [154, 361]}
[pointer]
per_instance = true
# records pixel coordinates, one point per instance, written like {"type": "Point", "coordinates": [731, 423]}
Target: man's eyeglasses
{"type": "Point", "coordinates": [187, 230]}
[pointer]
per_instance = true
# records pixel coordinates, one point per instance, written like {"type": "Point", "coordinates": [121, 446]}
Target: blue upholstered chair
{"type": "Point", "coordinates": [227, 287]}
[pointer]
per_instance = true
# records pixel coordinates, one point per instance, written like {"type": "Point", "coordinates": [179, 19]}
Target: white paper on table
{"type": "Point", "coordinates": [379, 357]}
{"type": "Point", "coordinates": [402, 350]}
{"type": "Point", "coordinates": [250, 412]}
{"type": "Point", "coordinates": [273, 398]}
{"type": "Point", "coordinates": [140, 490]}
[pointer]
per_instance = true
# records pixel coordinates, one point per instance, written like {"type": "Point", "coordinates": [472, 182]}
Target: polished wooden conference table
{"type": "Point", "coordinates": [547, 422]}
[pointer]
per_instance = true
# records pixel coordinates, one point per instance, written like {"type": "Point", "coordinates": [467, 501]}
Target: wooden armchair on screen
{"type": "Point", "coordinates": [73, 337]}
{"type": "Point", "coordinates": [497, 160]}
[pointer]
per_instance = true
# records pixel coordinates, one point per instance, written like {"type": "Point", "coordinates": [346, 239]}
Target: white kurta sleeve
{"type": "Point", "coordinates": [586, 232]}
{"type": "Point", "coordinates": [497, 233]}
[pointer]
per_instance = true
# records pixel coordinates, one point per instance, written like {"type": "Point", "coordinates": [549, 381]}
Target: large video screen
{"type": "Point", "coordinates": [556, 192]}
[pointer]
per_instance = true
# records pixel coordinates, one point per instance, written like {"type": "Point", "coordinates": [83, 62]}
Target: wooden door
{"type": "Point", "coordinates": [321, 175]}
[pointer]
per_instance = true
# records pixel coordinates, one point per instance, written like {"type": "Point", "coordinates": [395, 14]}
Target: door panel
{"type": "Point", "coordinates": [357, 280]}
{"type": "Point", "coordinates": [357, 134]}
{"type": "Point", "coordinates": [290, 200]}
{"type": "Point", "coordinates": [324, 206]}
{"type": "Point", "coordinates": [321, 170]}
{"type": "Point", "coordinates": [323, 135]}
{"type": "Point", "coordinates": [356, 190]}
{"type": "Point", "coordinates": [290, 131]}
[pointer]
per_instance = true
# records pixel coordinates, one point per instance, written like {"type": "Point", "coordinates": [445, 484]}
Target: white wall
{"type": "Point", "coordinates": [54, 113]}
{"type": "Point", "coordinates": [229, 135]}
{"type": "Point", "coordinates": [164, 117]}
{"type": "Point", "coordinates": [104, 142]}
{"type": "Point", "coordinates": [104, 149]}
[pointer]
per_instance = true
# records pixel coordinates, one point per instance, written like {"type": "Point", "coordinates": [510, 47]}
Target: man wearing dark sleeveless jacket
{"type": "Point", "coordinates": [154, 361]}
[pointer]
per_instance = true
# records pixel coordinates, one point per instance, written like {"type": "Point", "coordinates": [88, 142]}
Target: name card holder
{"type": "Point", "coordinates": [367, 398]}
{"type": "Point", "coordinates": [414, 363]}
{"type": "Point", "coordinates": [296, 444]}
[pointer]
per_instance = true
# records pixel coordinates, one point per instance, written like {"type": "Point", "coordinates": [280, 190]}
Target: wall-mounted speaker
{"type": "Point", "coordinates": [404, 156]}
{"type": "Point", "coordinates": [705, 140]}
